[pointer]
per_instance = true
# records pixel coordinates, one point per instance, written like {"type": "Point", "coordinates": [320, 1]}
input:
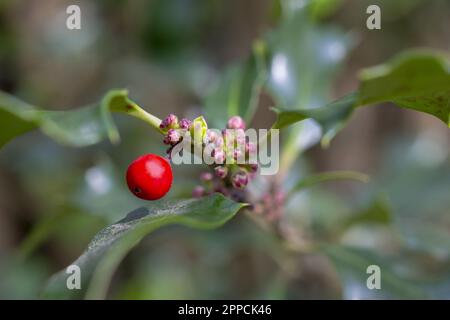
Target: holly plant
{"type": "Point", "coordinates": [297, 77]}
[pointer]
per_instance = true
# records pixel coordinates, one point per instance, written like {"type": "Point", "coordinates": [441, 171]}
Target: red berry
{"type": "Point", "coordinates": [149, 177]}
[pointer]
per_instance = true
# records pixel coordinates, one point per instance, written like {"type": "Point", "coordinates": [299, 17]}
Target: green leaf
{"type": "Point", "coordinates": [298, 67]}
{"type": "Point", "coordinates": [352, 265]}
{"type": "Point", "coordinates": [110, 245]}
{"type": "Point", "coordinates": [302, 67]}
{"type": "Point", "coordinates": [331, 118]}
{"type": "Point", "coordinates": [378, 211]}
{"type": "Point", "coordinates": [418, 80]}
{"type": "Point", "coordinates": [303, 63]}
{"type": "Point", "coordinates": [16, 117]}
{"type": "Point", "coordinates": [329, 176]}
{"type": "Point", "coordinates": [79, 127]}
{"type": "Point", "coordinates": [320, 9]}
{"type": "Point", "coordinates": [237, 92]}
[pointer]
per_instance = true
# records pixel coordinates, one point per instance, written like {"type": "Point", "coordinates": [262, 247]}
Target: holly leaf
{"type": "Point", "coordinates": [304, 63]}
{"type": "Point", "coordinates": [331, 118]}
{"type": "Point", "coordinates": [301, 70]}
{"type": "Point", "coordinates": [108, 248]}
{"type": "Point", "coordinates": [16, 117]}
{"type": "Point", "coordinates": [417, 80]}
{"type": "Point", "coordinates": [377, 212]}
{"type": "Point", "coordinates": [78, 127]}
{"type": "Point", "coordinates": [352, 264]}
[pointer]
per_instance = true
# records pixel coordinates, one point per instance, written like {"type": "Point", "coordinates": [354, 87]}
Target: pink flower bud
{"type": "Point", "coordinates": [219, 155]}
{"type": "Point", "coordinates": [206, 176]}
{"type": "Point", "coordinates": [237, 154]}
{"type": "Point", "coordinates": [236, 122]}
{"type": "Point", "coordinates": [240, 136]}
{"type": "Point", "coordinates": [170, 122]}
{"type": "Point", "coordinates": [250, 148]}
{"type": "Point", "coordinates": [239, 180]}
{"type": "Point", "coordinates": [185, 123]}
{"type": "Point", "coordinates": [221, 171]}
{"type": "Point", "coordinates": [280, 197]}
{"type": "Point", "coordinates": [211, 136]}
{"type": "Point", "coordinates": [253, 167]}
{"type": "Point", "coordinates": [229, 138]}
{"type": "Point", "coordinates": [172, 137]}
{"type": "Point", "coordinates": [198, 192]}
{"type": "Point", "coordinates": [218, 142]}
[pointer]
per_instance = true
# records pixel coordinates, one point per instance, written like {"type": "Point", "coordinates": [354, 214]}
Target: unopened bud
{"type": "Point", "coordinates": [239, 180]}
{"type": "Point", "coordinates": [253, 167]}
{"type": "Point", "coordinates": [198, 192]}
{"type": "Point", "coordinates": [170, 122]}
{"type": "Point", "coordinates": [211, 136]}
{"type": "Point", "coordinates": [206, 176]}
{"type": "Point", "coordinates": [219, 155]}
{"type": "Point", "coordinates": [237, 154]}
{"type": "Point", "coordinates": [280, 197]}
{"type": "Point", "coordinates": [218, 142]}
{"type": "Point", "coordinates": [240, 136]}
{"type": "Point", "coordinates": [236, 122]}
{"type": "Point", "coordinates": [250, 148]}
{"type": "Point", "coordinates": [221, 171]}
{"type": "Point", "coordinates": [185, 123]}
{"type": "Point", "coordinates": [172, 137]}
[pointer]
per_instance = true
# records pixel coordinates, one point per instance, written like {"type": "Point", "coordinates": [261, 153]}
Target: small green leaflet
{"type": "Point", "coordinates": [78, 127]}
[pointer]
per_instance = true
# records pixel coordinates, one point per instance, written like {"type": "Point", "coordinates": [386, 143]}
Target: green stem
{"type": "Point", "coordinates": [290, 152]}
{"type": "Point", "coordinates": [137, 112]}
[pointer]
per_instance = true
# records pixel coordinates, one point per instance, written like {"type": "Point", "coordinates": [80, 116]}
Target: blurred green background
{"type": "Point", "coordinates": [54, 199]}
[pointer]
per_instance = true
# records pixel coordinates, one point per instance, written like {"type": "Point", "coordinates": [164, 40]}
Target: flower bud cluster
{"type": "Point", "coordinates": [228, 146]}
{"type": "Point", "coordinates": [174, 129]}
{"type": "Point", "coordinates": [271, 205]}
